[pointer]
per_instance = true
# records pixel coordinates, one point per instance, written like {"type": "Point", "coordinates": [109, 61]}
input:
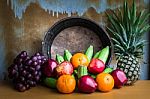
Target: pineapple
{"type": "Point", "coordinates": [127, 27]}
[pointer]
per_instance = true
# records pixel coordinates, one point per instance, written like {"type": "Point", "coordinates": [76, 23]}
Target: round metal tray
{"type": "Point", "coordinates": [71, 22]}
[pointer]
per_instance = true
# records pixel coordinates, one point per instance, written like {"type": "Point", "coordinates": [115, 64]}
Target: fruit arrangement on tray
{"type": "Point", "coordinates": [81, 71]}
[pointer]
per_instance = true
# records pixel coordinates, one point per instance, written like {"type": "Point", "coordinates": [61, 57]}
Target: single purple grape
{"type": "Point", "coordinates": [20, 87]}
{"type": "Point", "coordinates": [25, 60]}
{"type": "Point", "coordinates": [24, 53]}
{"type": "Point", "coordinates": [24, 72]}
{"type": "Point", "coordinates": [35, 73]}
{"type": "Point", "coordinates": [38, 67]}
{"type": "Point", "coordinates": [39, 57]}
{"type": "Point", "coordinates": [15, 67]}
{"type": "Point", "coordinates": [34, 84]}
{"type": "Point", "coordinates": [34, 63]}
{"type": "Point", "coordinates": [22, 56]}
{"type": "Point", "coordinates": [34, 58]}
{"type": "Point", "coordinates": [40, 73]}
{"type": "Point", "coordinates": [12, 73]}
{"type": "Point", "coordinates": [20, 68]}
{"type": "Point", "coordinates": [27, 86]}
{"type": "Point", "coordinates": [44, 59]}
{"type": "Point", "coordinates": [29, 76]}
{"type": "Point", "coordinates": [37, 78]}
{"type": "Point", "coordinates": [27, 57]}
{"type": "Point", "coordinates": [32, 69]}
{"type": "Point", "coordinates": [37, 54]}
{"type": "Point", "coordinates": [28, 62]}
{"type": "Point", "coordinates": [43, 62]}
{"type": "Point", "coordinates": [22, 79]}
{"type": "Point", "coordinates": [26, 67]}
{"type": "Point", "coordinates": [31, 83]}
{"type": "Point", "coordinates": [39, 62]}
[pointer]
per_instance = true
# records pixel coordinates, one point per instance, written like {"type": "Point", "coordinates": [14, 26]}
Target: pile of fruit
{"type": "Point", "coordinates": [82, 72]}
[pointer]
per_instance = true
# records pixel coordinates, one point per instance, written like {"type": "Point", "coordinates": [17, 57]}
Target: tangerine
{"type": "Point", "coordinates": [66, 84]}
{"type": "Point", "coordinates": [79, 59]}
{"type": "Point", "coordinates": [105, 82]}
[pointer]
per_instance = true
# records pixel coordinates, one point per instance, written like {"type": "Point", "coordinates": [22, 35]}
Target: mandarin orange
{"type": "Point", "coordinates": [105, 82]}
{"type": "Point", "coordinates": [79, 59]}
{"type": "Point", "coordinates": [66, 84]}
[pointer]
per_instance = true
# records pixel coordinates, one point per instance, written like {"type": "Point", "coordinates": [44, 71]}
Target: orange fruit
{"type": "Point", "coordinates": [79, 59]}
{"type": "Point", "coordinates": [105, 82]}
{"type": "Point", "coordinates": [66, 84]}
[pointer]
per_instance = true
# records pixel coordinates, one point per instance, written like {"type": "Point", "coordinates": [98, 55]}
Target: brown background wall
{"type": "Point", "coordinates": [27, 32]}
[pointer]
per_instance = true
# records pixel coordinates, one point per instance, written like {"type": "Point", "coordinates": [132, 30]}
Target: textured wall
{"type": "Point", "coordinates": [23, 23]}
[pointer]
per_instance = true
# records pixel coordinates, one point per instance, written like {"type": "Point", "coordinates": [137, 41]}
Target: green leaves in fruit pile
{"type": "Point", "coordinates": [103, 55]}
{"type": "Point", "coordinates": [50, 82]}
{"type": "Point", "coordinates": [67, 55]}
{"type": "Point", "coordinates": [59, 58]}
{"type": "Point", "coordinates": [89, 52]}
{"type": "Point", "coordinates": [108, 70]}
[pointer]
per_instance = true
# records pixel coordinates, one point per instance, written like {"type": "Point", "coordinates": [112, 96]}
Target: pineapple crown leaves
{"type": "Point", "coordinates": [127, 27]}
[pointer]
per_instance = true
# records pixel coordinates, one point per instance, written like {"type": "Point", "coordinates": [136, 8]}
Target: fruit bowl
{"type": "Point", "coordinates": [71, 22]}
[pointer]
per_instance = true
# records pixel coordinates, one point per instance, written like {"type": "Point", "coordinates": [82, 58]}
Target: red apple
{"type": "Point", "coordinates": [64, 68]}
{"type": "Point", "coordinates": [87, 84]}
{"type": "Point", "coordinates": [119, 78]}
{"type": "Point", "coordinates": [49, 67]}
{"type": "Point", "coordinates": [96, 66]}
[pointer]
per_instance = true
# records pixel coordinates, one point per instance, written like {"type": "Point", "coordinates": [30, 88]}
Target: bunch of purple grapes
{"type": "Point", "coordinates": [26, 71]}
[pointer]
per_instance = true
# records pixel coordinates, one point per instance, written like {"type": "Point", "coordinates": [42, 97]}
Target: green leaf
{"type": "Point", "coordinates": [125, 14]}
{"type": "Point", "coordinates": [132, 40]}
{"type": "Point", "coordinates": [115, 41]}
{"type": "Point", "coordinates": [117, 50]}
{"type": "Point", "coordinates": [118, 55]}
{"type": "Point", "coordinates": [133, 12]}
{"type": "Point", "coordinates": [116, 16]}
{"type": "Point", "coordinates": [138, 20]}
{"type": "Point", "coordinates": [123, 33]}
{"type": "Point", "coordinates": [140, 44]}
{"type": "Point", "coordinates": [119, 47]}
{"type": "Point", "coordinates": [128, 12]}
{"type": "Point", "coordinates": [121, 29]}
{"type": "Point", "coordinates": [121, 16]}
{"type": "Point", "coordinates": [113, 23]}
{"type": "Point", "coordinates": [130, 32]}
{"type": "Point", "coordinates": [117, 36]}
{"type": "Point", "coordinates": [127, 17]}
{"type": "Point", "coordinates": [144, 18]}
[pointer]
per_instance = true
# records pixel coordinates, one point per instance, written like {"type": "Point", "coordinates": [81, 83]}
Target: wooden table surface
{"type": "Point", "coordinates": [141, 89]}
